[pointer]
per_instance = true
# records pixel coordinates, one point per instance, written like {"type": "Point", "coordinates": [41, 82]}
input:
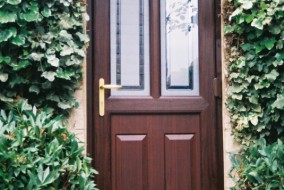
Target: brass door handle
{"type": "Point", "coordinates": [102, 87]}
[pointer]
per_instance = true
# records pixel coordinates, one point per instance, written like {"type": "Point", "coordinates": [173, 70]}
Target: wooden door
{"type": "Point", "coordinates": [156, 135]}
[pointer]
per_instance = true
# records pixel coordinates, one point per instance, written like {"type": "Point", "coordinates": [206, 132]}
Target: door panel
{"type": "Point", "coordinates": [129, 166]}
{"type": "Point", "coordinates": [154, 141]}
{"type": "Point", "coordinates": [155, 152]}
{"type": "Point", "coordinates": [180, 161]}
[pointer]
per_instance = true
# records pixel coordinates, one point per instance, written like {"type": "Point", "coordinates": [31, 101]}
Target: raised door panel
{"type": "Point", "coordinates": [181, 162]}
{"type": "Point", "coordinates": [155, 152]}
{"type": "Point", "coordinates": [129, 169]}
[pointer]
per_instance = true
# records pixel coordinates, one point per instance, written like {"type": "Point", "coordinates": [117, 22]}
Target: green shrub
{"type": "Point", "coordinates": [38, 152]}
{"type": "Point", "coordinates": [255, 59]}
{"type": "Point", "coordinates": [42, 47]}
{"type": "Point", "coordinates": [254, 32]}
{"type": "Point", "coordinates": [260, 167]}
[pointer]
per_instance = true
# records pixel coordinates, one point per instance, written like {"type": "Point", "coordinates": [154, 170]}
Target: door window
{"type": "Point", "coordinates": [130, 47]}
{"type": "Point", "coordinates": [179, 47]}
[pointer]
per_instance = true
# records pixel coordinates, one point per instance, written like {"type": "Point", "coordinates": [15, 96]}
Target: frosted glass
{"type": "Point", "coordinates": [180, 55]}
{"type": "Point", "coordinates": [130, 47]}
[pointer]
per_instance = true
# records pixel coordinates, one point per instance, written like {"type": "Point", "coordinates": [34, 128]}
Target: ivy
{"type": "Point", "coordinates": [254, 32]}
{"type": "Point", "coordinates": [255, 36]}
{"type": "Point", "coordinates": [42, 47]}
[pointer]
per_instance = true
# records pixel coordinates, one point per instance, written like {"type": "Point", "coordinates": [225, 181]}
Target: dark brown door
{"type": "Point", "coordinates": [160, 131]}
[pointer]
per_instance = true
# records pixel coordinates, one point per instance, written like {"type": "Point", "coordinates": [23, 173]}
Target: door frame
{"type": "Point", "coordinates": [91, 74]}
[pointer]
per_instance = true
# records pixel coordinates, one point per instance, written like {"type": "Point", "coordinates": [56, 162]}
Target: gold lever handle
{"type": "Point", "coordinates": [111, 86]}
{"type": "Point", "coordinates": [102, 87]}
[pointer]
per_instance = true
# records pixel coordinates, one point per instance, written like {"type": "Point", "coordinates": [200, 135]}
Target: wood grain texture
{"type": "Point", "coordinates": [126, 116]}
{"type": "Point", "coordinates": [129, 162]}
{"type": "Point", "coordinates": [181, 162]}
{"type": "Point", "coordinates": [173, 158]}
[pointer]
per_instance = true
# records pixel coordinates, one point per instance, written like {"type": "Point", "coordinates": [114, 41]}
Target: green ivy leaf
{"type": "Point", "coordinates": [272, 75]}
{"type": "Point", "coordinates": [32, 14]}
{"type": "Point", "coordinates": [5, 59]}
{"type": "Point", "coordinates": [235, 13]}
{"type": "Point", "coordinates": [269, 43]}
{"type": "Point", "coordinates": [21, 65]}
{"type": "Point", "coordinates": [279, 103]}
{"type": "Point", "coordinates": [247, 46]}
{"type": "Point", "coordinates": [253, 100]}
{"type": "Point", "coordinates": [34, 89]}
{"type": "Point", "coordinates": [19, 40]}
{"type": "Point", "coordinates": [277, 63]}
{"type": "Point", "coordinates": [52, 60]}
{"type": "Point", "coordinates": [249, 18]}
{"type": "Point", "coordinates": [247, 5]}
{"type": "Point", "coordinates": [254, 120]}
{"type": "Point", "coordinates": [66, 22]}
{"type": "Point", "coordinates": [73, 61]}
{"type": "Point", "coordinates": [261, 85]}
{"type": "Point", "coordinates": [7, 34]}
{"type": "Point", "coordinates": [275, 29]}
{"type": "Point", "coordinates": [257, 23]}
{"type": "Point", "coordinates": [49, 75]}
{"type": "Point", "coordinates": [66, 50]}
{"type": "Point", "coordinates": [64, 36]}
{"type": "Point", "coordinates": [4, 77]}
{"type": "Point", "coordinates": [5, 98]}
{"type": "Point", "coordinates": [36, 56]}
{"type": "Point", "coordinates": [14, 2]}
{"type": "Point", "coordinates": [64, 106]}
{"type": "Point", "coordinates": [84, 38]}
{"type": "Point", "coordinates": [7, 16]}
{"type": "Point", "coordinates": [46, 12]}
{"type": "Point", "coordinates": [65, 74]}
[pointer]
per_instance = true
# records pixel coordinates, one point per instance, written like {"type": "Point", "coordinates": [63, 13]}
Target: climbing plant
{"type": "Point", "coordinates": [42, 47]}
{"type": "Point", "coordinates": [254, 32]}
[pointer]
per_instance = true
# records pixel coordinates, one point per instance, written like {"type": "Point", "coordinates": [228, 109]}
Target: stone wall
{"type": "Point", "coordinates": [228, 141]}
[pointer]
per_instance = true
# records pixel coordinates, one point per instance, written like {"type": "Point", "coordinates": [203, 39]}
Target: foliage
{"type": "Point", "coordinates": [259, 167]}
{"type": "Point", "coordinates": [38, 152]}
{"type": "Point", "coordinates": [255, 56]}
{"type": "Point", "coordinates": [42, 47]}
{"type": "Point", "coordinates": [256, 95]}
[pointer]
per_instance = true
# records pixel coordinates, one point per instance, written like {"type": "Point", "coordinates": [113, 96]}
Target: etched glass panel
{"type": "Point", "coordinates": [130, 47]}
{"type": "Point", "coordinates": [180, 55]}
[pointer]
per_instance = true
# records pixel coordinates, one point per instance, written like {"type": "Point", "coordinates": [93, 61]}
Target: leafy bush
{"type": "Point", "coordinates": [254, 32]}
{"type": "Point", "coordinates": [42, 47]}
{"type": "Point", "coordinates": [255, 58]}
{"type": "Point", "coordinates": [38, 152]}
{"type": "Point", "coordinates": [260, 167]}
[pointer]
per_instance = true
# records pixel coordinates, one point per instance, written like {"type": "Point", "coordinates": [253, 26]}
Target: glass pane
{"type": "Point", "coordinates": [130, 46]}
{"type": "Point", "coordinates": [180, 61]}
